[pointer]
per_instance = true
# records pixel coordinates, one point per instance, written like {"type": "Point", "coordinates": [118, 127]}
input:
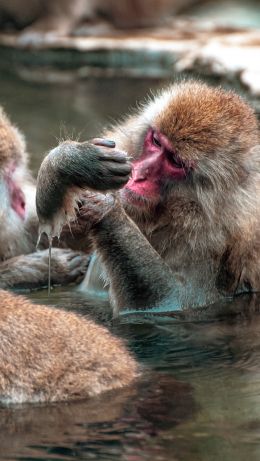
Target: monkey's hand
{"type": "Point", "coordinates": [94, 207]}
{"type": "Point", "coordinates": [110, 168]}
{"type": "Point", "coordinates": [73, 166]}
{"type": "Point", "coordinates": [31, 271]}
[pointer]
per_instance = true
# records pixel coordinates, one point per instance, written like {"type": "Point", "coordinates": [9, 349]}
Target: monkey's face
{"type": "Point", "coordinates": [12, 170]}
{"type": "Point", "coordinates": [159, 163]}
{"type": "Point", "coordinates": [195, 136]}
{"type": "Point", "coordinates": [13, 191]}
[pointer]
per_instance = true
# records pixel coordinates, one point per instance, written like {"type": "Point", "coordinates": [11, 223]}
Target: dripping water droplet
{"type": "Point", "coordinates": [49, 271]}
{"type": "Point", "coordinates": [47, 230]}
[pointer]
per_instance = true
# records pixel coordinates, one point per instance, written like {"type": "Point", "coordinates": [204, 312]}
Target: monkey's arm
{"type": "Point", "coordinates": [31, 271]}
{"type": "Point", "coordinates": [239, 267]}
{"type": "Point", "coordinates": [139, 278]}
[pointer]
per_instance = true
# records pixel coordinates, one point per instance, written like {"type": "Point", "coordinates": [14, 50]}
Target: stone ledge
{"type": "Point", "coordinates": [184, 45]}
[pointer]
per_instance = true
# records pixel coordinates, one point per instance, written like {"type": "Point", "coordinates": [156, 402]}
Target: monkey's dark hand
{"type": "Point", "coordinates": [101, 166]}
{"type": "Point", "coordinates": [94, 165]}
{"type": "Point", "coordinates": [93, 207]}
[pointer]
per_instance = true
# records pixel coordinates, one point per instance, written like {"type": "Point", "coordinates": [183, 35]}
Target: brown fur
{"type": "Point", "coordinates": [50, 355]}
{"type": "Point", "coordinates": [12, 144]}
{"type": "Point", "coordinates": [196, 223]}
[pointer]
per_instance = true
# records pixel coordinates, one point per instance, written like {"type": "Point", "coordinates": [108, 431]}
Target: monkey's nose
{"type": "Point", "coordinates": [139, 174]}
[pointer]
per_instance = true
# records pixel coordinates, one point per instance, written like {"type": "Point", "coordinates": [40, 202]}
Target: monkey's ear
{"type": "Point", "coordinates": [229, 273]}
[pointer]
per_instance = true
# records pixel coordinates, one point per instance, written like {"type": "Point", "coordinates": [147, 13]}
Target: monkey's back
{"type": "Point", "coordinates": [52, 355]}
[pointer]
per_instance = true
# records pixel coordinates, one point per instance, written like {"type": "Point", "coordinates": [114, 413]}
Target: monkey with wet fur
{"type": "Point", "coordinates": [21, 266]}
{"type": "Point", "coordinates": [184, 230]}
{"type": "Point", "coordinates": [49, 355]}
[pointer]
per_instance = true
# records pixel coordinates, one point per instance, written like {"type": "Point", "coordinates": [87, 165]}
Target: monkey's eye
{"type": "Point", "coordinates": [155, 140]}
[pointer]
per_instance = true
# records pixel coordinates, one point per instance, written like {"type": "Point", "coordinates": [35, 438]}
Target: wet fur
{"type": "Point", "coordinates": [49, 355]}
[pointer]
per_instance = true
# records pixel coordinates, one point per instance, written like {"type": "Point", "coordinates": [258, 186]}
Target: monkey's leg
{"type": "Point", "coordinates": [139, 278]}
{"type": "Point", "coordinates": [31, 271]}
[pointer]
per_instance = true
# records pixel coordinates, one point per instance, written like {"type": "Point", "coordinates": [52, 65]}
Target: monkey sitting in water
{"type": "Point", "coordinates": [184, 230]}
{"type": "Point", "coordinates": [49, 355]}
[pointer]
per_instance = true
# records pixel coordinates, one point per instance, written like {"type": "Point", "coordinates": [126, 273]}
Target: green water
{"type": "Point", "coordinates": [202, 401]}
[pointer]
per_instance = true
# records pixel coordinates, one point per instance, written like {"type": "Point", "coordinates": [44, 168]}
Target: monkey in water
{"type": "Point", "coordinates": [184, 229]}
{"type": "Point", "coordinates": [60, 17]}
{"type": "Point", "coordinates": [49, 355]}
{"type": "Point", "coordinates": [20, 265]}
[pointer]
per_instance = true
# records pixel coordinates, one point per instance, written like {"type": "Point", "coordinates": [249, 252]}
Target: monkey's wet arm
{"type": "Point", "coordinates": [139, 278]}
{"type": "Point", "coordinates": [31, 271]}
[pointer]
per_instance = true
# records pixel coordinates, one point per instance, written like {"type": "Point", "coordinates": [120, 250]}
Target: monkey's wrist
{"type": "Point", "coordinates": [108, 205]}
{"type": "Point", "coordinates": [113, 218]}
{"type": "Point", "coordinates": [95, 208]}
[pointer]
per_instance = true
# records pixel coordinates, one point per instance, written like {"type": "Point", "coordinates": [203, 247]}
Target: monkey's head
{"type": "Point", "coordinates": [13, 164]}
{"type": "Point", "coordinates": [193, 138]}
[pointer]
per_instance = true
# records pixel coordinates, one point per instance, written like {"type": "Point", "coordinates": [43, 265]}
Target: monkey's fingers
{"type": "Point", "coordinates": [103, 142]}
{"type": "Point", "coordinates": [121, 169]}
{"type": "Point", "coordinates": [112, 183]}
{"type": "Point", "coordinates": [118, 156]}
{"type": "Point", "coordinates": [119, 181]}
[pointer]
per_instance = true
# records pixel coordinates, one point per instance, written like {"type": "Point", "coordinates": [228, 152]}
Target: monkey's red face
{"type": "Point", "coordinates": [158, 164]}
{"type": "Point", "coordinates": [16, 195]}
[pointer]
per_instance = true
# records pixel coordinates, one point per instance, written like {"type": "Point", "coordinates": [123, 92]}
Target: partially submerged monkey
{"type": "Point", "coordinates": [184, 230]}
{"type": "Point", "coordinates": [49, 355]}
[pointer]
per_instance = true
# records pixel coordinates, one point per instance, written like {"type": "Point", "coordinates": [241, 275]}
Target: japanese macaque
{"type": "Point", "coordinates": [184, 230]}
{"type": "Point", "coordinates": [61, 16]}
{"type": "Point", "coordinates": [20, 265]}
{"type": "Point", "coordinates": [49, 355]}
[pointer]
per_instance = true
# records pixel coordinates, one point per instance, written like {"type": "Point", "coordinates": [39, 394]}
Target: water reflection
{"type": "Point", "coordinates": [106, 426]}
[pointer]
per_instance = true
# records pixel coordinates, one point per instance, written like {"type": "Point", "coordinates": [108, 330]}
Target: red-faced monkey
{"type": "Point", "coordinates": [184, 230]}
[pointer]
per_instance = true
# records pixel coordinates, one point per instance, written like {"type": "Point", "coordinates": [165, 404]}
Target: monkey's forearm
{"type": "Point", "coordinates": [139, 278]}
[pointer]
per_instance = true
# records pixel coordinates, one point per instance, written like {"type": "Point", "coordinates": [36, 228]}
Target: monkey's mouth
{"type": "Point", "coordinates": [133, 198]}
